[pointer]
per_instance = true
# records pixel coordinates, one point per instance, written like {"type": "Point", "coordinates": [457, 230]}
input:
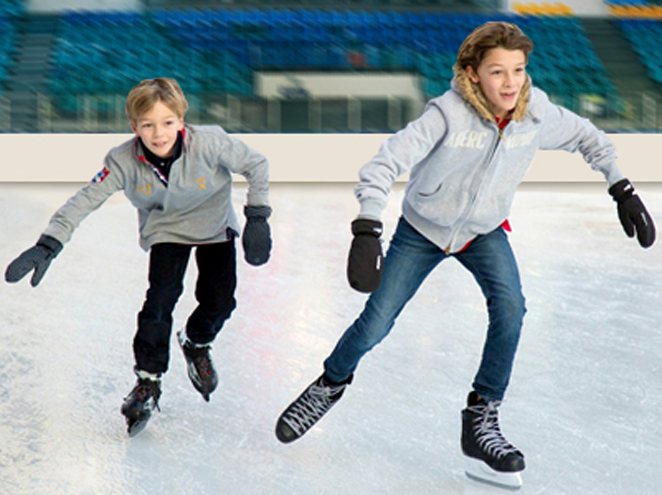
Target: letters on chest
{"type": "Point", "coordinates": [478, 139]}
{"type": "Point", "coordinates": [519, 140]}
{"type": "Point", "coordinates": [147, 189]}
{"type": "Point", "coordinates": [467, 139]}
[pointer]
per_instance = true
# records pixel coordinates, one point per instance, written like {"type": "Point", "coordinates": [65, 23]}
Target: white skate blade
{"type": "Point", "coordinates": [479, 471]}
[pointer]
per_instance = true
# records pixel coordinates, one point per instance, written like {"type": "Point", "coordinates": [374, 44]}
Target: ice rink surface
{"type": "Point", "coordinates": [584, 402]}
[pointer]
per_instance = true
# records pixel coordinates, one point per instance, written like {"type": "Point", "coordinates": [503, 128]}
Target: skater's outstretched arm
{"type": "Point", "coordinates": [63, 223]}
{"type": "Point", "coordinates": [568, 131]}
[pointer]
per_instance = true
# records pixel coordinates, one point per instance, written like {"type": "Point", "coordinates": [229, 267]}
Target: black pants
{"type": "Point", "coordinates": [214, 292]}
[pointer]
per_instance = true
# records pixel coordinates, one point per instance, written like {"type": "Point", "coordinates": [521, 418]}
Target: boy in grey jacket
{"type": "Point", "coordinates": [178, 177]}
{"type": "Point", "coordinates": [467, 153]}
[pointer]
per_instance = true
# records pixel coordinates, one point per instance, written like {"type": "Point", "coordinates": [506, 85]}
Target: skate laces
{"type": "Point", "coordinates": [146, 389]}
{"type": "Point", "coordinates": [312, 405]}
{"type": "Point", "coordinates": [200, 357]}
{"type": "Point", "coordinates": [487, 431]}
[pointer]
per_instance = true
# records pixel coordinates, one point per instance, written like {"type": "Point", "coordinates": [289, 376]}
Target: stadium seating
{"type": "Point", "coordinates": [340, 40]}
{"type": "Point", "coordinates": [99, 53]}
{"type": "Point", "coordinates": [645, 37]}
{"type": "Point", "coordinates": [6, 47]}
{"type": "Point", "coordinates": [218, 51]}
{"type": "Point", "coordinates": [11, 7]}
{"type": "Point", "coordinates": [635, 9]}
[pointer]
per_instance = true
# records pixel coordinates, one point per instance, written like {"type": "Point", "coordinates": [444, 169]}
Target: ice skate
{"type": "Point", "coordinates": [141, 401]}
{"type": "Point", "coordinates": [199, 365]}
{"type": "Point", "coordinates": [309, 408]}
{"type": "Point", "coordinates": [490, 458]}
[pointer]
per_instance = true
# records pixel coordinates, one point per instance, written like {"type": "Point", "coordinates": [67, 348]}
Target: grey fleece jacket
{"type": "Point", "coordinates": [464, 170]}
{"type": "Point", "coordinates": [194, 208]}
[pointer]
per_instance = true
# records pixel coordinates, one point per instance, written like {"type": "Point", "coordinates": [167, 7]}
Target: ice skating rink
{"type": "Point", "coordinates": [584, 403]}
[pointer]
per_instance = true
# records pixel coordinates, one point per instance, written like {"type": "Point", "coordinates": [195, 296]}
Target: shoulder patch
{"type": "Point", "coordinates": [101, 176]}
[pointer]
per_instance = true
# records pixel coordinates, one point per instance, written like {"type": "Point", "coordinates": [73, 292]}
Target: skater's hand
{"type": "Point", "coordinates": [632, 213]}
{"type": "Point", "coordinates": [364, 266]}
{"type": "Point", "coordinates": [256, 238]}
{"type": "Point", "coordinates": [37, 258]}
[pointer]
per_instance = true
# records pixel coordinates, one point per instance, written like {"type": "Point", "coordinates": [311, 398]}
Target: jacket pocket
{"type": "Point", "coordinates": [425, 194]}
{"type": "Point", "coordinates": [442, 205]}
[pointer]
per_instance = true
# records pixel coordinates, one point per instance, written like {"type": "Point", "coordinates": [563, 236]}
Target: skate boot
{"type": "Point", "coordinates": [141, 401]}
{"type": "Point", "coordinates": [309, 408]}
{"type": "Point", "coordinates": [199, 366]}
{"type": "Point", "coordinates": [490, 458]}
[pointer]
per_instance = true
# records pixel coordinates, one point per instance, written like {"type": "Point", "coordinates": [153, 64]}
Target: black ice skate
{"type": "Point", "coordinates": [309, 408]}
{"type": "Point", "coordinates": [490, 458]}
{"type": "Point", "coordinates": [199, 366]}
{"type": "Point", "coordinates": [139, 404]}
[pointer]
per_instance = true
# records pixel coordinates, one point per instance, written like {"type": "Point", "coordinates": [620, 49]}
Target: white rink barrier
{"type": "Point", "coordinates": [300, 157]}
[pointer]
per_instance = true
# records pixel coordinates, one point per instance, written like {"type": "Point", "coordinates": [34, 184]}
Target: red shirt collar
{"type": "Point", "coordinates": [502, 122]}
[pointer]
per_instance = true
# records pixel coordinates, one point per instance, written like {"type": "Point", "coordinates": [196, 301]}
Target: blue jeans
{"type": "Point", "coordinates": [410, 258]}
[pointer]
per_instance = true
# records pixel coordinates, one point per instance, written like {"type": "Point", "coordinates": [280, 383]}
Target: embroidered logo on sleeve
{"type": "Point", "coordinates": [101, 176]}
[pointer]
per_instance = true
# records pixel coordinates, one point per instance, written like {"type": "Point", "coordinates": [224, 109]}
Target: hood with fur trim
{"type": "Point", "coordinates": [472, 93]}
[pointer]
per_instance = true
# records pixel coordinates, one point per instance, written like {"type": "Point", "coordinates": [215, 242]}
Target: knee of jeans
{"type": "Point", "coordinates": [369, 334]}
{"type": "Point", "coordinates": [512, 303]}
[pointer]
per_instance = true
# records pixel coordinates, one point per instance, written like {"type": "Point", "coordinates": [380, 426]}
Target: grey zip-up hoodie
{"type": "Point", "coordinates": [464, 170]}
{"type": "Point", "coordinates": [194, 207]}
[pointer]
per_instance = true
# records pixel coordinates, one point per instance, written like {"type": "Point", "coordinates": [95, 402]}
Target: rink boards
{"type": "Point", "coordinates": [301, 157]}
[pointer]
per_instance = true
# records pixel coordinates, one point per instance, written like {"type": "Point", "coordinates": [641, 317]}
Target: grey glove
{"type": "Point", "coordinates": [37, 258]}
{"type": "Point", "coordinates": [256, 237]}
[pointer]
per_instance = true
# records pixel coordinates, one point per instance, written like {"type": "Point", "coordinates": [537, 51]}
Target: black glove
{"type": "Point", "coordinates": [632, 213]}
{"type": "Point", "coordinates": [256, 238]}
{"type": "Point", "coordinates": [364, 266]}
{"type": "Point", "coordinates": [37, 258]}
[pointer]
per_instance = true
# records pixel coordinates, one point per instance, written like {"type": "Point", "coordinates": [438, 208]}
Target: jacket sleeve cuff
{"type": "Point", "coordinates": [51, 243]}
{"type": "Point", "coordinates": [58, 234]}
{"type": "Point", "coordinates": [613, 175]}
{"type": "Point", "coordinates": [372, 209]}
{"type": "Point", "coordinates": [257, 199]}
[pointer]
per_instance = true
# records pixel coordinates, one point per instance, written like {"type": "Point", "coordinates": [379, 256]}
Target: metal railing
{"type": "Point", "coordinates": [637, 112]}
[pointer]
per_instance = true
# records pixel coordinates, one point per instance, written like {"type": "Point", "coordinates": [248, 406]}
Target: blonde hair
{"type": "Point", "coordinates": [488, 36]}
{"type": "Point", "coordinates": [142, 98]}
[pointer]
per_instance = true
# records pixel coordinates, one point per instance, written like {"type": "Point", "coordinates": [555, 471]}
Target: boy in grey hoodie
{"type": "Point", "coordinates": [467, 153]}
{"type": "Point", "coordinates": [178, 176]}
